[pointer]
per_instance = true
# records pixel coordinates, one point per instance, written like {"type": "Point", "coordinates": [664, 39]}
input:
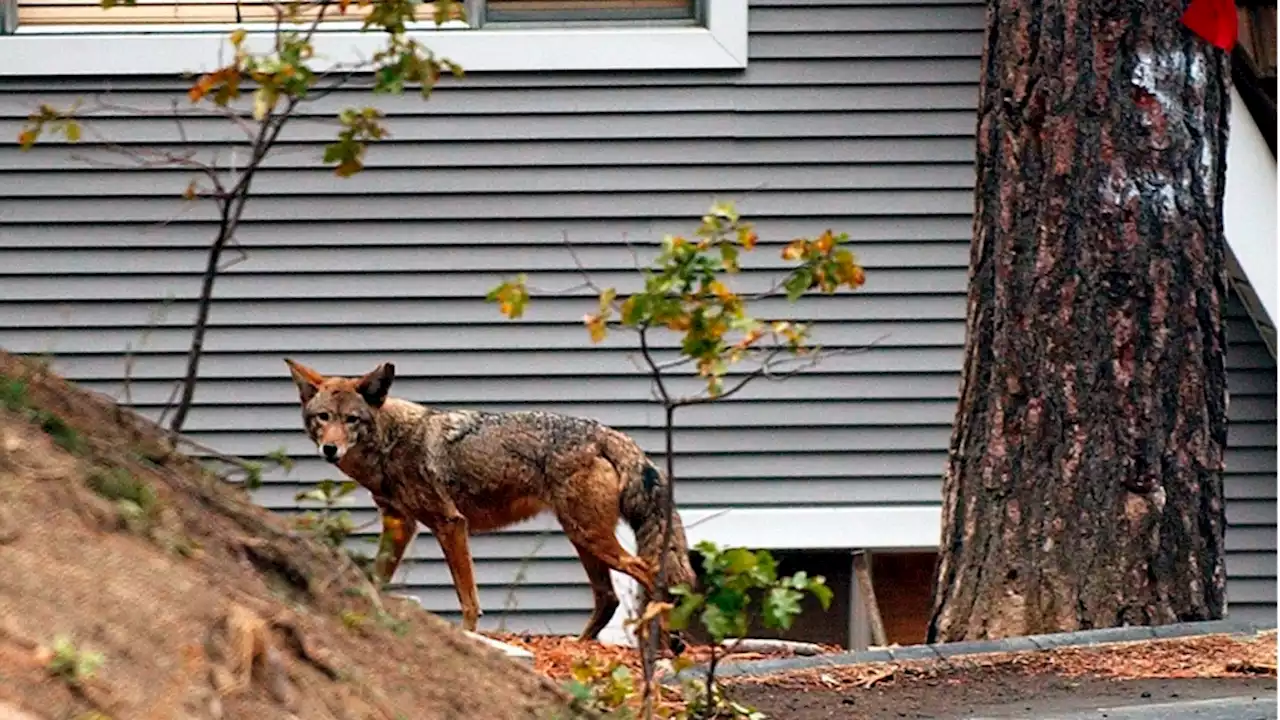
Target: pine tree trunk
{"type": "Point", "coordinates": [1084, 482]}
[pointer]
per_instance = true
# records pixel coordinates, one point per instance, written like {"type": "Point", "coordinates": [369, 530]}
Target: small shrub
{"type": "Point", "coordinates": [135, 500]}
{"type": "Point", "coordinates": [734, 581]}
{"type": "Point", "coordinates": [252, 475]}
{"type": "Point", "coordinates": [62, 434]}
{"type": "Point", "coordinates": [331, 526]}
{"type": "Point", "coordinates": [13, 396]}
{"type": "Point", "coordinates": [734, 578]}
{"type": "Point", "coordinates": [604, 689]}
{"type": "Point", "coordinates": [72, 664]}
{"type": "Point", "coordinates": [353, 620]}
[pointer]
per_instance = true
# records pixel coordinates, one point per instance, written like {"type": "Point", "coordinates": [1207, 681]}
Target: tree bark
{"type": "Point", "coordinates": [1083, 487]}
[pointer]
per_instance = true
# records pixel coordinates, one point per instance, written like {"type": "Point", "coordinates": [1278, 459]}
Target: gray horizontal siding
{"type": "Point", "coordinates": [853, 114]}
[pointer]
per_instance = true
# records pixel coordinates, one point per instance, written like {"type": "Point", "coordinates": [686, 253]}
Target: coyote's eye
{"type": "Point", "coordinates": [322, 417]}
{"type": "Point", "coordinates": [353, 419]}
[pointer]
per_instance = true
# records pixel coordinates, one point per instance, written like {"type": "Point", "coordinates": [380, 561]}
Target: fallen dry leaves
{"type": "Point", "coordinates": [553, 655]}
{"type": "Point", "coordinates": [1204, 656]}
{"type": "Point", "coordinates": [1196, 657]}
{"type": "Point", "coordinates": [1209, 656]}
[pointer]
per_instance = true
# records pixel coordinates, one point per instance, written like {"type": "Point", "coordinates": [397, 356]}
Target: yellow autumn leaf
{"type": "Point", "coordinates": [719, 290]}
{"type": "Point", "coordinates": [348, 167]}
{"type": "Point", "coordinates": [237, 37]}
{"type": "Point", "coordinates": [793, 250]}
{"type": "Point", "coordinates": [825, 242]}
{"type": "Point", "coordinates": [653, 610]}
{"type": "Point", "coordinates": [681, 663]}
{"type": "Point", "coordinates": [595, 326]}
{"type": "Point", "coordinates": [190, 192]}
{"type": "Point", "coordinates": [72, 131]}
{"type": "Point", "coordinates": [607, 297]}
{"type": "Point", "coordinates": [264, 101]}
{"type": "Point", "coordinates": [27, 138]}
{"type": "Point", "coordinates": [752, 336]}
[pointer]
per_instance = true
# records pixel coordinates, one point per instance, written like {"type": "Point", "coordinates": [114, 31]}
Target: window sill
{"type": "Point", "coordinates": [63, 51]}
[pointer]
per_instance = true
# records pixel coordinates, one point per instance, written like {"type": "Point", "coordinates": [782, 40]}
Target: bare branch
{"type": "Point", "coordinates": [177, 120]}
{"type": "Point", "coordinates": [218, 455]}
{"type": "Point", "coordinates": [635, 256]}
{"type": "Point", "coordinates": [232, 211]}
{"type": "Point", "coordinates": [562, 291]}
{"type": "Point", "coordinates": [323, 91]}
{"type": "Point", "coordinates": [577, 262]}
{"type": "Point", "coordinates": [236, 260]}
{"type": "Point", "coordinates": [103, 106]}
{"type": "Point", "coordinates": [768, 369]}
{"type": "Point", "coordinates": [660, 367]}
{"type": "Point", "coordinates": [712, 516]}
{"type": "Point", "coordinates": [655, 372]}
{"type": "Point", "coordinates": [168, 404]}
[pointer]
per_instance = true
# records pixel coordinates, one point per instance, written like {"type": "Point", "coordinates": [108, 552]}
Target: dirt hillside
{"type": "Point", "coordinates": [135, 584]}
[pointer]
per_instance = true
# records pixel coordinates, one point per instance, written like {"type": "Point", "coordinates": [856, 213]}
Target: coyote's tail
{"type": "Point", "coordinates": [643, 504]}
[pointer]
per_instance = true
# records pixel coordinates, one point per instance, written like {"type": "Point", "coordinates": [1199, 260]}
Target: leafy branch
{"type": "Point", "coordinates": [278, 82]}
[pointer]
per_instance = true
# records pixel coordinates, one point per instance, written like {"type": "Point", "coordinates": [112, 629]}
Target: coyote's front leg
{"type": "Point", "coordinates": [397, 531]}
{"type": "Point", "coordinates": [452, 533]}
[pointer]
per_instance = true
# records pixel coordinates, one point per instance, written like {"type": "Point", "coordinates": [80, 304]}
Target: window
{"type": "Point", "coordinates": [80, 37]}
{"type": "Point", "coordinates": [65, 14]}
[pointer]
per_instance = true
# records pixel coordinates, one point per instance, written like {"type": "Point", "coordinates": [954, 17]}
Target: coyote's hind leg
{"type": "Point", "coordinates": [602, 592]}
{"type": "Point", "coordinates": [588, 512]}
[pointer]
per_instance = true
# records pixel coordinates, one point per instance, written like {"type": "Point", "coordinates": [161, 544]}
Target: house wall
{"type": "Point", "coordinates": [855, 115]}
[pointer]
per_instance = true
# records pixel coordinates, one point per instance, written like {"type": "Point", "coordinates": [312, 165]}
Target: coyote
{"type": "Point", "coordinates": [463, 471]}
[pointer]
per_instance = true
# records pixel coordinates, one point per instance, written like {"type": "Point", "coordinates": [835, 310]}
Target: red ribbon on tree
{"type": "Point", "coordinates": [1213, 20]}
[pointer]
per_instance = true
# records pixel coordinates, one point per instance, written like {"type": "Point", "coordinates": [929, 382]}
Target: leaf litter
{"type": "Point", "coordinates": [1208, 656]}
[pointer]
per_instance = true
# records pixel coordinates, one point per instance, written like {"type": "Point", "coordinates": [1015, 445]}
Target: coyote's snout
{"type": "Point", "coordinates": [462, 471]}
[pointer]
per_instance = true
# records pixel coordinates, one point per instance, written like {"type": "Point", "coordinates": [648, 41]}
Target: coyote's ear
{"type": "Point", "coordinates": [307, 380]}
{"type": "Point", "coordinates": [375, 386]}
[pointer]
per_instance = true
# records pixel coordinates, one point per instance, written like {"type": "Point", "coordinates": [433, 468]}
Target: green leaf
{"type": "Point", "coordinates": [781, 606]}
{"type": "Point", "coordinates": [635, 309]}
{"type": "Point", "coordinates": [313, 495]}
{"type": "Point", "coordinates": [280, 456]}
{"type": "Point", "coordinates": [578, 691]}
{"type": "Point", "coordinates": [729, 257]}
{"type": "Point", "coordinates": [718, 623]}
{"type": "Point", "coordinates": [678, 618]}
{"type": "Point", "coordinates": [819, 588]}
{"type": "Point", "coordinates": [799, 282]}
{"type": "Point", "coordinates": [766, 568]}
{"type": "Point", "coordinates": [739, 560]}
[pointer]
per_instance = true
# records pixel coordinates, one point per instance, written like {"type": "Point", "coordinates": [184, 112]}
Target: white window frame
{"type": "Point", "coordinates": [720, 43]}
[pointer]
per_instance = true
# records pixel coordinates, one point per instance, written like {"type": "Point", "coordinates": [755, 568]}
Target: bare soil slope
{"type": "Point", "coordinates": [200, 603]}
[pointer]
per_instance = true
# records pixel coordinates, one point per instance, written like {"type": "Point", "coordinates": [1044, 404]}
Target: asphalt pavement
{"type": "Point", "coordinates": [1241, 707]}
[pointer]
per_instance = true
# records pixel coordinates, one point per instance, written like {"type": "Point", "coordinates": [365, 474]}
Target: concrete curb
{"type": "Point", "coordinates": [1029, 643]}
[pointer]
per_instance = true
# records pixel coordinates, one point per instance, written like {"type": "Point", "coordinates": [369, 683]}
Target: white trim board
{"type": "Point", "coordinates": [64, 51]}
{"type": "Point", "coordinates": [1249, 204]}
{"type": "Point", "coordinates": [909, 527]}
